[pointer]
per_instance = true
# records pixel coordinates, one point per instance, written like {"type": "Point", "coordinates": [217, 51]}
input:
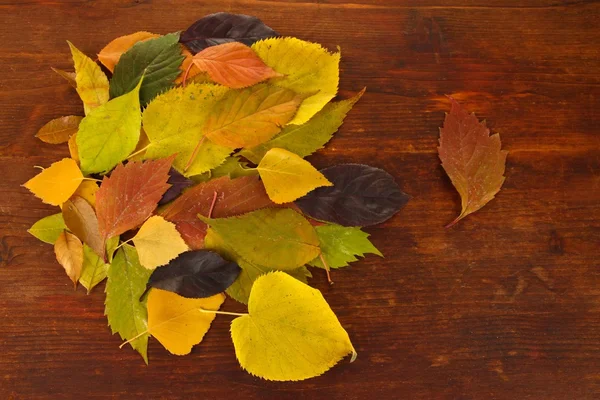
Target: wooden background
{"type": "Point", "coordinates": [505, 305]}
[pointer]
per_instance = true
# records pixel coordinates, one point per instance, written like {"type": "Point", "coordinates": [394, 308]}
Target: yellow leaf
{"type": "Point", "coordinates": [55, 184]}
{"type": "Point", "coordinates": [158, 242]}
{"type": "Point", "coordinates": [140, 149]}
{"type": "Point", "coordinates": [287, 176]}
{"type": "Point", "coordinates": [87, 190]}
{"type": "Point", "coordinates": [73, 150]}
{"type": "Point", "coordinates": [92, 84]}
{"type": "Point", "coordinates": [69, 253]}
{"type": "Point", "coordinates": [290, 333]}
{"type": "Point", "coordinates": [111, 53]}
{"type": "Point", "coordinates": [308, 68]}
{"type": "Point", "coordinates": [177, 322]}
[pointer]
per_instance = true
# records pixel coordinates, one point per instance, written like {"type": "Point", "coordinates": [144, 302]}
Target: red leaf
{"type": "Point", "coordinates": [234, 197]}
{"type": "Point", "coordinates": [471, 158]}
{"type": "Point", "coordinates": [130, 195]}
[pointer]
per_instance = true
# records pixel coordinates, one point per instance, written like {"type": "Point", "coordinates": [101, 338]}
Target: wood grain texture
{"type": "Point", "coordinates": [505, 305]}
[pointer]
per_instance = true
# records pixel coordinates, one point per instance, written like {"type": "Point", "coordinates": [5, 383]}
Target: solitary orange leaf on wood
{"type": "Point", "coordinates": [234, 65]}
{"type": "Point", "coordinates": [471, 158]}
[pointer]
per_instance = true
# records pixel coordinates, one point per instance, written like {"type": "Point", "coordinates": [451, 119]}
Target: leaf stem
{"type": "Point", "coordinates": [127, 241]}
{"type": "Point", "coordinates": [138, 152]}
{"type": "Point", "coordinates": [212, 206]}
{"type": "Point", "coordinates": [222, 312]}
{"type": "Point", "coordinates": [91, 179]}
{"type": "Point", "coordinates": [187, 71]}
{"type": "Point", "coordinates": [326, 268]}
{"type": "Point", "coordinates": [451, 224]}
{"type": "Point", "coordinates": [194, 154]}
{"type": "Point", "coordinates": [133, 338]}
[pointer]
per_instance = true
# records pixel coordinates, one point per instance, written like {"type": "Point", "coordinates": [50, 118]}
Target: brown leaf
{"type": "Point", "coordinates": [128, 197]}
{"type": "Point", "coordinates": [80, 218]}
{"type": "Point", "coordinates": [471, 158]}
{"type": "Point", "coordinates": [69, 253]}
{"type": "Point", "coordinates": [234, 65]}
{"type": "Point", "coordinates": [59, 130]}
{"type": "Point", "coordinates": [234, 197]}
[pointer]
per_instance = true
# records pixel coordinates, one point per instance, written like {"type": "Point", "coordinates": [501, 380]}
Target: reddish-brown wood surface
{"type": "Point", "coordinates": [505, 305]}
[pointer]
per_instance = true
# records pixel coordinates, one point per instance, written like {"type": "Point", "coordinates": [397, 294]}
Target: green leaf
{"type": "Point", "coordinates": [340, 245]}
{"type": "Point", "coordinates": [308, 68]}
{"type": "Point", "coordinates": [111, 246]}
{"type": "Point", "coordinates": [307, 138]}
{"type": "Point", "coordinates": [240, 289]}
{"type": "Point", "coordinates": [276, 238]}
{"type": "Point", "coordinates": [48, 228]}
{"type": "Point", "coordinates": [156, 59]}
{"type": "Point", "coordinates": [109, 133]}
{"type": "Point", "coordinates": [173, 122]}
{"type": "Point", "coordinates": [94, 269]}
{"type": "Point", "coordinates": [126, 314]}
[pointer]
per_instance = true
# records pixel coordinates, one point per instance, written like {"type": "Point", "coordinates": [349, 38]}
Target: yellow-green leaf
{"type": "Point", "coordinates": [109, 134]}
{"type": "Point", "coordinates": [177, 322]}
{"type": "Point", "coordinates": [94, 269]}
{"type": "Point", "coordinates": [287, 176]}
{"type": "Point", "coordinates": [48, 228]}
{"type": "Point", "coordinates": [278, 238]}
{"type": "Point", "coordinates": [55, 184]}
{"type": "Point", "coordinates": [308, 68]}
{"type": "Point", "coordinates": [251, 116]}
{"type": "Point", "coordinates": [92, 84]}
{"type": "Point", "coordinates": [173, 122]}
{"type": "Point", "coordinates": [290, 333]}
{"type": "Point", "coordinates": [87, 190]}
{"type": "Point", "coordinates": [158, 242]}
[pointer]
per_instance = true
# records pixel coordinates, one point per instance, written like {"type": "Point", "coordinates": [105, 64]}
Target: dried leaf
{"type": "Point", "coordinates": [92, 84]}
{"type": "Point", "coordinates": [471, 158]}
{"type": "Point", "coordinates": [249, 117]}
{"type": "Point", "coordinates": [128, 197]}
{"type": "Point", "coordinates": [49, 228]}
{"type": "Point", "coordinates": [80, 218]}
{"type": "Point", "coordinates": [289, 333]}
{"type": "Point", "coordinates": [234, 197]}
{"type": "Point", "coordinates": [234, 65]}
{"type": "Point", "coordinates": [360, 196]}
{"type": "Point", "coordinates": [158, 242]}
{"type": "Point", "coordinates": [276, 238]}
{"type": "Point", "coordinates": [59, 130]}
{"type": "Point", "coordinates": [195, 274]}
{"type": "Point", "coordinates": [173, 122]}
{"type": "Point", "coordinates": [158, 60]}
{"type": "Point", "coordinates": [307, 138]}
{"type": "Point", "coordinates": [108, 135]}
{"type": "Point", "coordinates": [55, 184]}
{"type": "Point", "coordinates": [219, 28]}
{"type": "Point", "coordinates": [126, 314]}
{"type": "Point", "coordinates": [308, 68]}
{"type": "Point", "coordinates": [69, 253]}
{"type": "Point", "coordinates": [177, 322]}
{"type": "Point", "coordinates": [287, 176]}
{"type": "Point", "coordinates": [112, 52]}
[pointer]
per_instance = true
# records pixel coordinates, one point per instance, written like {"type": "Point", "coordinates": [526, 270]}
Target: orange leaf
{"type": "Point", "coordinates": [111, 53]}
{"type": "Point", "coordinates": [187, 63]}
{"type": "Point", "coordinates": [471, 158]}
{"type": "Point", "coordinates": [59, 130]}
{"type": "Point", "coordinates": [128, 197]}
{"type": "Point", "coordinates": [234, 65]}
{"type": "Point", "coordinates": [234, 197]}
{"type": "Point", "coordinates": [69, 253]}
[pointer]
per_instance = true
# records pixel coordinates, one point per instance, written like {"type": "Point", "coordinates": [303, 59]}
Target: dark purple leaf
{"type": "Point", "coordinates": [195, 274]}
{"type": "Point", "coordinates": [360, 196]}
{"type": "Point", "coordinates": [178, 182]}
{"type": "Point", "coordinates": [219, 28]}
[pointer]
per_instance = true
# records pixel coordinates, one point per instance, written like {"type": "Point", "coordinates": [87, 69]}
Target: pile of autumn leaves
{"type": "Point", "coordinates": [187, 179]}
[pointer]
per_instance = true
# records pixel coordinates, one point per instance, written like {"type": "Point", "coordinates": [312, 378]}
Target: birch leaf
{"type": "Point", "coordinates": [108, 135]}
{"type": "Point", "coordinates": [69, 253]}
{"type": "Point", "coordinates": [92, 83]}
{"type": "Point", "coordinates": [59, 130]}
{"type": "Point", "coordinates": [55, 184]}
{"type": "Point", "coordinates": [289, 333]}
{"type": "Point", "coordinates": [87, 190]}
{"type": "Point", "coordinates": [177, 322]}
{"type": "Point", "coordinates": [49, 228]}
{"type": "Point", "coordinates": [94, 269]}
{"type": "Point", "coordinates": [308, 68]}
{"type": "Point", "coordinates": [287, 176]}
{"type": "Point", "coordinates": [158, 242]}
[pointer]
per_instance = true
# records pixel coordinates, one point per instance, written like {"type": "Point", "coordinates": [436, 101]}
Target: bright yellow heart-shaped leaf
{"type": "Point", "coordinates": [158, 242]}
{"type": "Point", "coordinates": [55, 184]}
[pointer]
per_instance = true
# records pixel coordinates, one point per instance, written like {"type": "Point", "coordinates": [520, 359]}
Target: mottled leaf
{"type": "Point", "coordinates": [471, 158]}
{"type": "Point", "coordinates": [219, 28]}
{"type": "Point", "coordinates": [360, 196]}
